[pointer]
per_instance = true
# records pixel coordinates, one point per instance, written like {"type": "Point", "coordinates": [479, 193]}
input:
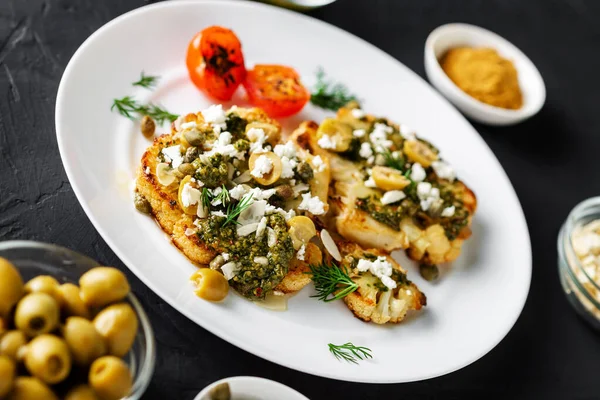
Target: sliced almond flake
{"type": "Point", "coordinates": [230, 269]}
{"type": "Point", "coordinates": [330, 245]}
{"type": "Point", "coordinates": [271, 237]}
{"type": "Point", "coordinates": [189, 232]}
{"type": "Point", "coordinates": [245, 230]}
{"type": "Point", "coordinates": [261, 260]}
{"type": "Point", "coordinates": [244, 177]}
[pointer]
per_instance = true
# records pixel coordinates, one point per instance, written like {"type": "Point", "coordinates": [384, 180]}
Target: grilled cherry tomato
{"type": "Point", "coordinates": [276, 89]}
{"type": "Point", "coordinates": [215, 62]}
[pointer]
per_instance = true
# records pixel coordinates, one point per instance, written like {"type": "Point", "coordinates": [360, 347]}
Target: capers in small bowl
{"type": "Point", "coordinates": [48, 359]}
{"type": "Point", "coordinates": [37, 313]}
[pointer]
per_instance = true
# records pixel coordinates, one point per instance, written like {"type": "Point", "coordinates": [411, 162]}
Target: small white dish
{"type": "Point", "coordinates": [253, 388]}
{"type": "Point", "coordinates": [532, 85]}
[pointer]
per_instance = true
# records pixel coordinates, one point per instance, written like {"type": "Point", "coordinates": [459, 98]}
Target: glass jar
{"type": "Point", "coordinates": [581, 285]}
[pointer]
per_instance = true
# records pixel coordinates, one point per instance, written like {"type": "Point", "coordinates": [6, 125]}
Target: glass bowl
{"type": "Point", "coordinates": [35, 258]}
{"type": "Point", "coordinates": [582, 289]}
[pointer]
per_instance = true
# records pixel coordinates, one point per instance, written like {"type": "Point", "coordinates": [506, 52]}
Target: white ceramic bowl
{"type": "Point", "coordinates": [448, 36]}
{"type": "Point", "coordinates": [253, 388]}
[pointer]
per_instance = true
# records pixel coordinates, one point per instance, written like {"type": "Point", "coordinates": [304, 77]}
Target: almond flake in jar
{"type": "Point", "coordinates": [585, 240]}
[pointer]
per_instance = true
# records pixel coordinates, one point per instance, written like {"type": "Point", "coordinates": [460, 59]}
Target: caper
{"type": "Point", "coordinates": [191, 154]}
{"type": "Point", "coordinates": [429, 272]}
{"type": "Point", "coordinates": [11, 286]}
{"type": "Point", "coordinates": [71, 301]}
{"type": "Point", "coordinates": [141, 203]}
{"type": "Point", "coordinates": [48, 359]}
{"type": "Point", "coordinates": [304, 172]}
{"type": "Point", "coordinates": [103, 285]}
{"type": "Point", "coordinates": [284, 191]}
{"type": "Point", "coordinates": [194, 137]}
{"type": "Point", "coordinates": [30, 388]}
{"type": "Point", "coordinates": [118, 325]}
{"type": "Point", "coordinates": [187, 169]}
{"type": "Point", "coordinates": [84, 342]}
{"type": "Point", "coordinates": [217, 262]}
{"type": "Point", "coordinates": [7, 375]}
{"type": "Point", "coordinates": [110, 378]}
{"type": "Point", "coordinates": [43, 284]}
{"type": "Point", "coordinates": [11, 342]}
{"type": "Point", "coordinates": [81, 392]}
{"type": "Point", "coordinates": [147, 126]}
{"type": "Point", "coordinates": [37, 313]}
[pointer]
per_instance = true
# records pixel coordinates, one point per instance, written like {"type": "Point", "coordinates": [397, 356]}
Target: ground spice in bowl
{"type": "Point", "coordinates": [483, 74]}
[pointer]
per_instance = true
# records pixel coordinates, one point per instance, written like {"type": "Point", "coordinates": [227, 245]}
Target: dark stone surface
{"type": "Point", "coordinates": [551, 160]}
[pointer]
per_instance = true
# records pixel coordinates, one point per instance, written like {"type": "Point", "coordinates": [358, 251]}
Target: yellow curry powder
{"type": "Point", "coordinates": [484, 75]}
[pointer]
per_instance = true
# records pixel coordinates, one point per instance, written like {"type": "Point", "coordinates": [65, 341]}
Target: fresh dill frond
{"type": "Point", "coordinates": [132, 109]}
{"type": "Point", "coordinates": [206, 198]}
{"type": "Point", "coordinates": [233, 211]}
{"type": "Point", "coordinates": [349, 352]}
{"type": "Point", "coordinates": [147, 81]}
{"type": "Point", "coordinates": [330, 95]}
{"type": "Point", "coordinates": [331, 282]}
{"type": "Point", "coordinates": [223, 196]}
{"type": "Point", "coordinates": [393, 162]}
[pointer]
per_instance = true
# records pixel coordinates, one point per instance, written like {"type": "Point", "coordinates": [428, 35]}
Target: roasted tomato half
{"type": "Point", "coordinates": [276, 89]}
{"type": "Point", "coordinates": [215, 62]}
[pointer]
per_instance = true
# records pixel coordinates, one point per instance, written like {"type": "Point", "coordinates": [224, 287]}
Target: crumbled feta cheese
{"type": "Point", "coordinates": [218, 213]}
{"type": "Point", "coordinates": [359, 133]}
{"type": "Point", "coordinates": [147, 170]}
{"type": "Point", "coordinates": [271, 237]}
{"type": "Point", "coordinates": [326, 142]}
{"type": "Point", "coordinates": [237, 192]}
{"type": "Point", "coordinates": [225, 256]}
{"type": "Point", "coordinates": [358, 113]}
{"type": "Point", "coordinates": [448, 211]}
{"type": "Point", "coordinates": [407, 133]}
{"type": "Point", "coordinates": [302, 187]}
{"type": "Point", "coordinates": [285, 150]}
{"type": "Point", "coordinates": [313, 205]}
{"type": "Point", "coordinates": [259, 194]}
{"type": "Point", "coordinates": [318, 163]}
{"type": "Point", "coordinates": [371, 160]}
{"type": "Point", "coordinates": [262, 225]}
{"type": "Point", "coordinates": [417, 173]}
{"type": "Point", "coordinates": [365, 150]}
{"type": "Point", "coordinates": [428, 195]}
{"type": "Point", "coordinates": [379, 137]}
{"type": "Point", "coordinates": [392, 196]}
{"type": "Point", "coordinates": [370, 183]}
{"type": "Point", "coordinates": [301, 253]}
{"type": "Point", "coordinates": [287, 167]}
{"type": "Point", "coordinates": [216, 116]}
{"type": "Point", "coordinates": [173, 155]}
{"type": "Point", "coordinates": [257, 139]}
{"type": "Point", "coordinates": [262, 166]}
{"type": "Point", "coordinates": [189, 195]}
{"type": "Point", "coordinates": [188, 125]}
{"type": "Point", "coordinates": [261, 260]}
{"type": "Point", "coordinates": [444, 170]}
{"type": "Point", "coordinates": [381, 268]}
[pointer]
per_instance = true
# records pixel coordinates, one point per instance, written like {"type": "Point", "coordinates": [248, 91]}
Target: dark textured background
{"type": "Point", "coordinates": [552, 161]}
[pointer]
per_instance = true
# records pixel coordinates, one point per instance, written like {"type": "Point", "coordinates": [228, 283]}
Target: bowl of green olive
{"type": "Point", "coordinates": [69, 328]}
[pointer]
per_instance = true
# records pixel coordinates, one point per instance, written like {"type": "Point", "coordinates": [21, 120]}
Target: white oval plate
{"type": "Point", "coordinates": [253, 388]}
{"type": "Point", "coordinates": [469, 311]}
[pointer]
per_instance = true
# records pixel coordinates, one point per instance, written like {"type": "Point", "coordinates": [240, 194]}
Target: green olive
{"type": "Point", "coordinates": [83, 340]}
{"type": "Point", "coordinates": [118, 325]}
{"type": "Point", "coordinates": [37, 313]}
{"type": "Point", "coordinates": [43, 284]}
{"type": "Point", "coordinates": [210, 284]}
{"type": "Point", "coordinates": [48, 358]}
{"type": "Point", "coordinates": [7, 375]}
{"type": "Point", "coordinates": [103, 285]}
{"type": "Point", "coordinates": [30, 388]}
{"type": "Point", "coordinates": [11, 286]}
{"type": "Point", "coordinates": [11, 342]}
{"type": "Point", "coordinates": [110, 378]}
{"type": "Point", "coordinates": [81, 392]}
{"type": "Point", "coordinates": [71, 301]}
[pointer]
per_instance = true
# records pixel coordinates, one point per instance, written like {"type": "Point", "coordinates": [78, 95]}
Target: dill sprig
{"type": "Point", "coordinates": [393, 162]}
{"type": "Point", "coordinates": [349, 352]}
{"type": "Point", "coordinates": [331, 280]}
{"type": "Point", "coordinates": [233, 211]}
{"type": "Point", "coordinates": [330, 95]}
{"type": "Point", "coordinates": [147, 81]}
{"type": "Point", "coordinates": [206, 198]}
{"type": "Point", "coordinates": [223, 196]}
{"type": "Point", "coordinates": [131, 108]}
